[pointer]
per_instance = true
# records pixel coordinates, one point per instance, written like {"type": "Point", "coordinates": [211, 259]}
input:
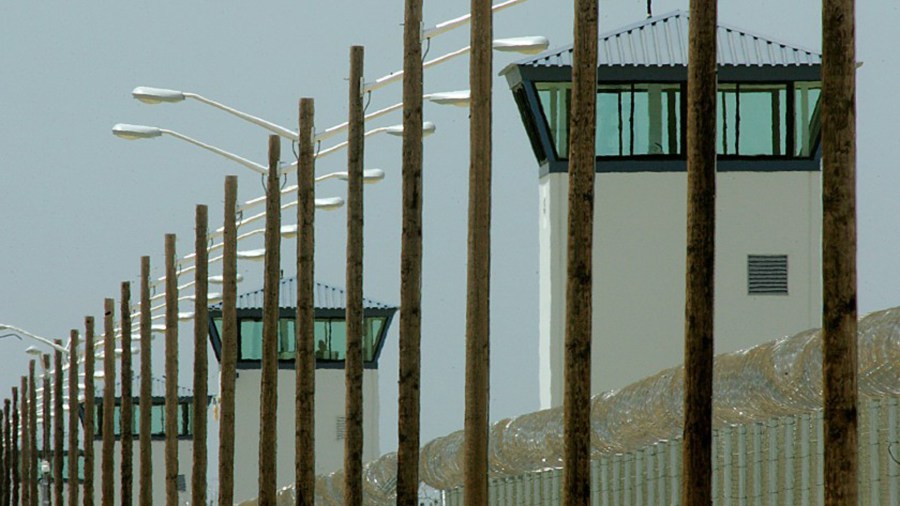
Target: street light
{"type": "Point", "coordinates": [16, 331]}
{"type": "Point", "coordinates": [524, 45]}
{"type": "Point", "coordinates": [134, 132]}
{"type": "Point", "coordinates": [150, 95]}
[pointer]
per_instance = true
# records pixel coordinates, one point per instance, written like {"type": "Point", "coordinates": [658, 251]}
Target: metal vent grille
{"type": "Point", "coordinates": [767, 274]}
{"type": "Point", "coordinates": [340, 427]}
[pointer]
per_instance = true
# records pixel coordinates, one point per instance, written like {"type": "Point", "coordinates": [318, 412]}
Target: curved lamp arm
{"type": "Point", "coordinates": [21, 332]}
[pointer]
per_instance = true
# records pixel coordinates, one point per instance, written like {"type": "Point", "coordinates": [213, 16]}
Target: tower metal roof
{"type": "Point", "coordinates": [324, 297]}
{"type": "Point", "coordinates": [663, 41]}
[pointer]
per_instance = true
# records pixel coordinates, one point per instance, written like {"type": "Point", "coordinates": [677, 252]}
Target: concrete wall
{"type": "Point", "coordinates": [329, 407]}
{"type": "Point", "coordinates": [639, 266]}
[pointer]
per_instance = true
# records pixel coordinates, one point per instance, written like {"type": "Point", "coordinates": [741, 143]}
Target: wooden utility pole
{"type": "Point", "coordinates": [410, 261]}
{"type": "Point", "coordinates": [353, 440]}
{"type": "Point", "coordinates": [305, 359]}
{"type": "Point", "coordinates": [14, 439]}
{"type": "Point", "coordinates": [58, 424]}
{"type": "Point", "coordinates": [90, 410]}
{"type": "Point", "coordinates": [839, 251]}
{"type": "Point", "coordinates": [7, 454]}
{"type": "Point", "coordinates": [171, 421]}
{"type": "Point", "coordinates": [145, 485]}
{"type": "Point", "coordinates": [696, 483]}
{"type": "Point", "coordinates": [579, 308]}
{"type": "Point", "coordinates": [46, 402]}
{"type": "Point", "coordinates": [73, 419]}
{"type": "Point", "coordinates": [126, 416]}
{"type": "Point", "coordinates": [229, 346]}
{"type": "Point", "coordinates": [32, 437]}
{"type": "Point", "coordinates": [26, 444]}
{"type": "Point", "coordinates": [478, 292]}
{"type": "Point", "coordinates": [4, 464]}
{"type": "Point", "coordinates": [107, 428]}
{"type": "Point", "coordinates": [201, 328]}
{"type": "Point", "coordinates": [8, 441]}
{"type": "Point", "coordinates": [268, 403]}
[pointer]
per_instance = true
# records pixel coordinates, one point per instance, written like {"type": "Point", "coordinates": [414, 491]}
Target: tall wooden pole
{"type": "Point", "coordinates": [229, 346]}
{"type": "Point", "coordinates": [268, 406]}
{"type": "Point", "coordinates": [90, 411]}
{"type": "Point", "coordinates": [26, 458]}
{"type": "Point", "coordinates": [16, 472]}
{"type": "Point", "coordinates": [7, 455]}
{"type": "Point", "coordinates": [145, 485]}
{"type": "Point", "coordinates": [4, 463]}
{"type": "Point", "coordinates": [8, 441]}
{"type": "Point", "coordinates": [305, 359]}
{"type": "Point", "coordinates": [171, 420]}
{"type": "Point", "coordinates": [696, 483]}
{"type": "Point", "coordinates": [107, 428]}
{"type": "Point", "coordinates": [479, 257]}
{"type": "Point", "coordinates": [201, 328]}
{"type": "Point", "coordinates": [26, 444]}
{"type": "Point", "coordinates": [58, 424]}
{"type": "Point", "coordinates": [579, 308]}
{"type": "Point", "coordinates": [353, 440]}
{"type": "Point", "coordinates": [46, 401]}
{"type": "Point", "coordinates": [126, 417]}
{"type": "Point", "coordinates": [410, 261]}
{"type": "Point", "coordinates": [73, 460]}
{"type": "Point", "coordinates": [839, 251]}
{"type": "Point", "coordinates": [32, 437]}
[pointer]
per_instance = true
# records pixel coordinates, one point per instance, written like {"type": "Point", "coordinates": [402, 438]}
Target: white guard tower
{"type": "Point", "coordinates": [768, 222]}
{"type": "Point", "coordinates": [330, 338]}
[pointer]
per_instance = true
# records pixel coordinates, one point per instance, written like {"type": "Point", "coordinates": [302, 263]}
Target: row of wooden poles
{"type": "Point", "coordinates": [838, 141]}
{"type": "Point", "coordinates": [838, 255]}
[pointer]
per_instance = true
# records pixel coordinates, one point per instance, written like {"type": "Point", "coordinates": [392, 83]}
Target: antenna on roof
{"type": "Point", "coordinates": [649, 8]}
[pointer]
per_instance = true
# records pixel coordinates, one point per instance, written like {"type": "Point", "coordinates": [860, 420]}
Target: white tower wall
{"type": "Point", "coordinates": [639, 269]}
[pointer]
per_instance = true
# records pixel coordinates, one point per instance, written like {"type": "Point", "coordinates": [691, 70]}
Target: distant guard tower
{"type": "Point", "coordinates": [330, 337]}
{"type": "Point", "coordinates": [768, 222]}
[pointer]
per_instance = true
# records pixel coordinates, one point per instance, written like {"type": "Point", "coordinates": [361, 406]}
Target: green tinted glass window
{"type": "Point", "coordinates": [250, 340]}
{"type": "Point", "coordinates": [806, 117]}
{"type": "Point", "coordinates": [752, 119]}
{"type": "Point", "coordinates": [555, 99]}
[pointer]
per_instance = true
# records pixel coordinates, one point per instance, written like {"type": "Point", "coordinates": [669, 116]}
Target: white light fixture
{"type": "Point", "coordinates": [134, 132]}
{"type": "Point", "coordinates": [220, 279]}
{"type": "Point", "coordinates": [523, 45]}
{"type": "Point", "coordinates": [24, 333]}
{"type": "Point", "coordinates": [252, 254]}
{"type": "Point", "coordinates": [150, 95]}
{"type": "Point", "coordinates": [456, 98]}
{"type": "Point", "coordinates": [428, 128]}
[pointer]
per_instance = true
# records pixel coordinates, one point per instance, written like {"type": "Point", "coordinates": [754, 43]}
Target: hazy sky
{"type": "Point", "coordinates": [80, 206]}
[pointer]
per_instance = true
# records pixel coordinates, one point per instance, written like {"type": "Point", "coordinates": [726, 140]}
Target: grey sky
{"type": "Point", "coordinates": [80, 206]}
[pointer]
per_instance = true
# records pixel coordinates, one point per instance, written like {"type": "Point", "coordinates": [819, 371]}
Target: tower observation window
{"type": "Point", "coordinates": [645, 119]}
{"type": "Point", "coordinates": [330, 338]}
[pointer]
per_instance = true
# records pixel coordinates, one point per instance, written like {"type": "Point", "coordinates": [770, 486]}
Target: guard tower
{"type": "Point", "coordinates": [330, 338]}
{"type": "Point", "coordinates": [768, 222]}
